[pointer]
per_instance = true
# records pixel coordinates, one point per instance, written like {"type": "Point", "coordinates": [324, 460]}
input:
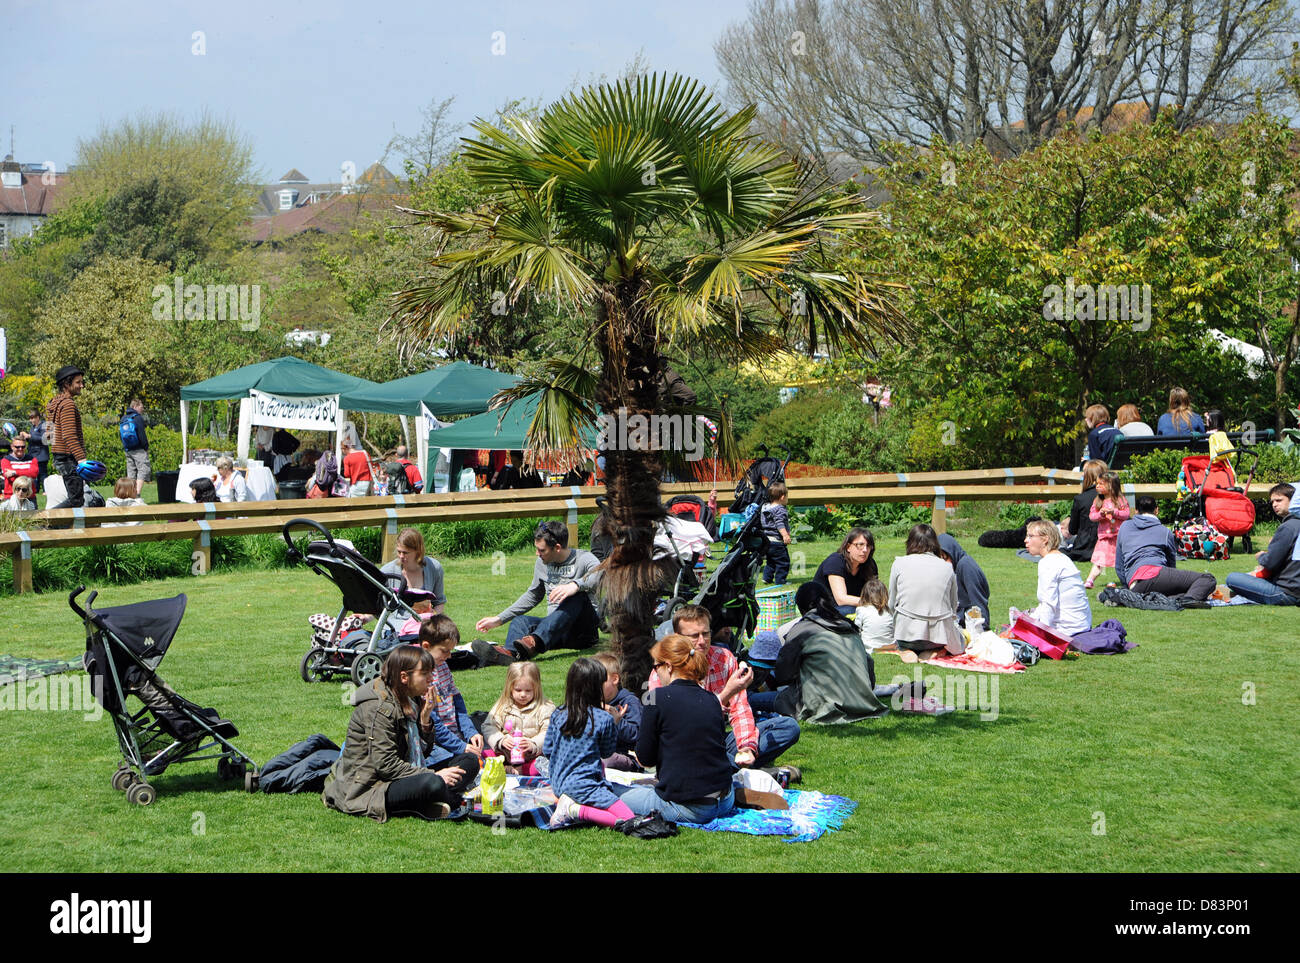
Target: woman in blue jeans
{"type": "Point", "coordinates": [683, 735]}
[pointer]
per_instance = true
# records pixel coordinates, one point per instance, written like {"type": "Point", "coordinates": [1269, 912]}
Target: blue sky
{"type": "Point", "coordinates": [316, 84]}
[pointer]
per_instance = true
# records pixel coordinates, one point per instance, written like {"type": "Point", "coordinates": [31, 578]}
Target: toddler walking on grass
{"type": "Point", "coordinates": [1109, 509]}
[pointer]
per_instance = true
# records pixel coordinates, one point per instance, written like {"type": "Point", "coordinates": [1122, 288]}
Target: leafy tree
{"type": "Point", "coordinates": [584, 209]}
{"type": "Point", "coordinates": [209, 161]}
{"type": "Point", "coordinates": [103, 324]}
{"type": "Point", "coordinates": [150, 219]}
{"type": "Point", "coordinates": [993, 248]}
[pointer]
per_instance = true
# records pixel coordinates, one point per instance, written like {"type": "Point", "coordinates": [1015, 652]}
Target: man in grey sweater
{"type": "Point", "coordinates": [567, 578]}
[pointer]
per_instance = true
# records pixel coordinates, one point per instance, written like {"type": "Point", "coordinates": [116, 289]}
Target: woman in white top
{"type": "Point", "coordinates": [1129, 420]}
{"type": "Point", "coordinates": [923, 595]}
{"type": "Point", "coordinates": [231, 486]}
{"type": "Point", "coordinates": [22, 499]}
{"type": "Point", "coordinates": [1062, 599]}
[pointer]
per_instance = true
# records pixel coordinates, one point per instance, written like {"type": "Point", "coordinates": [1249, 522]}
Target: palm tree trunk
{"type": "Point", "coordinates": [629, 373]}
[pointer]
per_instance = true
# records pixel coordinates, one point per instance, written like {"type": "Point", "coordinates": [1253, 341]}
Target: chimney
{"type": "Point", "coordinates": [11, 174]}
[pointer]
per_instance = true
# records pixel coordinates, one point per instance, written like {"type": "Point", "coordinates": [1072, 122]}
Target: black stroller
{"type": "Point", "coordinates": [728, 593]}
{"type": "Point", "coordinates": [366, 591]}
{"type": "Point", "coordinates": [124, 646]}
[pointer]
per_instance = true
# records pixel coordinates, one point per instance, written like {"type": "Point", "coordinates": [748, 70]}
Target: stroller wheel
{"type": "Point", "coordinates": [365, 668]}
{"type": "Point", "coordinates": [313, 664]}
{"type": "Point", "coordinates": [141, 794]}
{"type": "Point", "coordinates": [250, 780]}
{"type": "Point", "coordinates": [123, 779]}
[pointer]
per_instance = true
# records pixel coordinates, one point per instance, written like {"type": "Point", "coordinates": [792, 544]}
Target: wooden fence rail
{"type": "Point", "coordinates": [203, 523]}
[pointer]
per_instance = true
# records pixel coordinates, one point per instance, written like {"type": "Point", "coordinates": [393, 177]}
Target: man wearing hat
{"type": "Point", "coordinates": [69, 445]}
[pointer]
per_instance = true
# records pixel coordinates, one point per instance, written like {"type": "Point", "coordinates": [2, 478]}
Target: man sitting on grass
{"type": "Point", "coordinates": [1280, 582]}
{"type": "Point", "coordinates": [1146, 559]}
{"type": "Point", "coordinates": [751, 742]}
{"type": "Point", "coordinates": [567, 578]}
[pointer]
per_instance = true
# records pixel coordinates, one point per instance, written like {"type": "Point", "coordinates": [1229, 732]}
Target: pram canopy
{"type": "Point", "coordinates": [146, 628]}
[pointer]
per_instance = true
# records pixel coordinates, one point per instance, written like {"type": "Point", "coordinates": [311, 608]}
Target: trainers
{"type": "Point", "coordinates": [489, 654]}
{"type": "Point", "coordinates": [929, 706]}
{"type": "Point", "coordinates": [566, 813]}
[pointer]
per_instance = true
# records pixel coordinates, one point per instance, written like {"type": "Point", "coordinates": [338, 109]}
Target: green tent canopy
{"type": "Point", "coordinates": [481, 431]}
{"type": "Point", "coordinates": [291, 377]}
{"type": "Point", "coordinates": [458, 388]}
{"type": "Point", "coordinates": [285, 377]}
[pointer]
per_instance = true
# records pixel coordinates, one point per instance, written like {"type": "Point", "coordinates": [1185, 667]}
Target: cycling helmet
{"type": "Point", "coordinates": [91, 470]}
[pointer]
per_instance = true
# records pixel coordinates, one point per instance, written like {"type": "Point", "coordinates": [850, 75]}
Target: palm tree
{"type": "Point", "coordinates": [648, 209]}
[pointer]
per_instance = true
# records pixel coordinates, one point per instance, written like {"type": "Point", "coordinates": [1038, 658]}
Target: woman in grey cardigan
{"type": "Point", "coordinates": [923, 596]}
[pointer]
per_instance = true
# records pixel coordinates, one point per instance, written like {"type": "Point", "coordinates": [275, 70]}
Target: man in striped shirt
{"type": "Point", "coordinates": [69, 446]}
{"type": "Point", "coordinates": [751, 742]}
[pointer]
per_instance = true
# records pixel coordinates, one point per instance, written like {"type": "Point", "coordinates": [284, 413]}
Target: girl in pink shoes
{"type": "Point", "coordinates": [1109, 509]}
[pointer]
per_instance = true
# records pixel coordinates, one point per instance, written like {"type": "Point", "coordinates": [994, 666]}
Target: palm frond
{"type": "Point", "coordinates": [563, 389]}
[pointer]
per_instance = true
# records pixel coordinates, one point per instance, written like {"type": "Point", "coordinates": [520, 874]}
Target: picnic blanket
{"type": "Point", "coordinates": [13, 668]}
{"type": "Point", "coordinates": [968, 663]}
{"type": "Point", "coordinates": [531, 801]}
{"type": "Point", "coordinates": [810, 816]}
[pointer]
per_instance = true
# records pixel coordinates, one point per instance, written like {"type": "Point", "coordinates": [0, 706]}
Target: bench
{"type": "Point", "coordinates": [1126, 447]}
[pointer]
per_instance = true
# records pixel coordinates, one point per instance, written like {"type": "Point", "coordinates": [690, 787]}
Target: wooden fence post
{"type": "Point", "coordinates": [939, 514]}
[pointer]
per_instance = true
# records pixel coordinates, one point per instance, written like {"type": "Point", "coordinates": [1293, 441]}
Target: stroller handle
{"type": "Point", "coordinates": [304, 522]}
{"type": "Point", "coordinates": [72, 600]}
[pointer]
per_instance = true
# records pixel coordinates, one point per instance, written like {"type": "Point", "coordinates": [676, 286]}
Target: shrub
{"type": "Point", "coordinates": [105, 444]}
{"type": "Point", "coordinates": [794, 426]}
{"type": "Point", "coordinates": [847, 436]}
{"type": "Point", "coordinates": [1015, 514]}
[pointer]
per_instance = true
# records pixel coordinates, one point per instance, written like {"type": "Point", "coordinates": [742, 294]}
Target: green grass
{"type": "Point", "coordinates": [1188, 778]}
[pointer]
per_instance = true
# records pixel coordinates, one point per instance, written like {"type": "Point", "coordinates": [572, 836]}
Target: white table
{"type": "Point", "coordinates": [260, 481]}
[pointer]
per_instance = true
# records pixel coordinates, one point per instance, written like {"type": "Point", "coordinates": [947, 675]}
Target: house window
{"type": "Point", "coordinates": [4, 234]}
{"type": "Point", "coordinates": [286, 200]}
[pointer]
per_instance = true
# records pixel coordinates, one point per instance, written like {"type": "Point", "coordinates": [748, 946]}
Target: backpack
{"type": "Point", "coordinates": [129, 431]}
{"type": "Point", "coordinates": [399, 483]}
{"type": "Point", "coordinates": [327, 472]}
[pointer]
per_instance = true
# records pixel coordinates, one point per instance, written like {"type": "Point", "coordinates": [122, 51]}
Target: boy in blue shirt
{"type": "Point", "coordinates": [776, 528]}
{"type": "Point", "coordinates": [626, 710]}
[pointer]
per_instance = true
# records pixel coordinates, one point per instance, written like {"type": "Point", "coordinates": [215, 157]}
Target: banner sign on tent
{"type": "Point", "coordinates": [317, 413]}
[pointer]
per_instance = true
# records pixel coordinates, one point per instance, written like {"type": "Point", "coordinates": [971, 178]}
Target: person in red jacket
{"type": "Point", "coordinates": [356, 469]}
{"type": "Point", "coordinates": [18, 462]}
{"type": "Point", "coordinates": [412, 473]}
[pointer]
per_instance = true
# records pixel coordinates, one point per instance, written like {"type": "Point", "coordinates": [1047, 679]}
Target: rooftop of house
{"type": "Point", "coordinates": [34, 196]}
{"type": "Point", "coordinates": [334, 215]}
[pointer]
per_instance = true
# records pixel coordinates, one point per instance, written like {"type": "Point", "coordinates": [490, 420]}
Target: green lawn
{"type": "Point", "coordinates": [1157, 744]}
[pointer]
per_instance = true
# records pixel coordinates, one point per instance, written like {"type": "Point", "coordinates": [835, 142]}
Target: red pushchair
{"type": "Point", "coordinates": [1211, 497]}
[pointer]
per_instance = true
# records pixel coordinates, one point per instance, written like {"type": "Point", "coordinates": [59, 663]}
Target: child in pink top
{"type": "Point", "coordinates": [1109, 509]}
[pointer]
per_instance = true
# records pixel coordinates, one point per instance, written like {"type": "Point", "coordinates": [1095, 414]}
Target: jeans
{"type": "Point", "coordinates": [778, 563]}
{"type": "Point", "coordinates": [776, 734]}
{"type": "Point", "coordinates": [643, 800]}
{"type": "Point", "coordinates": [66, 466]}
{"type": "Point", "coordinates": [573, 625]}
{"type": "Point", "coordinates": [1259, 590]}
{"type": "Point", "coordinates": [1178, 583]}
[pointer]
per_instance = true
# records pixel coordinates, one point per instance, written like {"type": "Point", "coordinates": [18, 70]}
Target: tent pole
{"type": "Point", "coordinates": [339, 421]}
{"type": "Point", "coordinates": [185, 428]}
{"type": "Point", "coordinates": [245, 427]}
